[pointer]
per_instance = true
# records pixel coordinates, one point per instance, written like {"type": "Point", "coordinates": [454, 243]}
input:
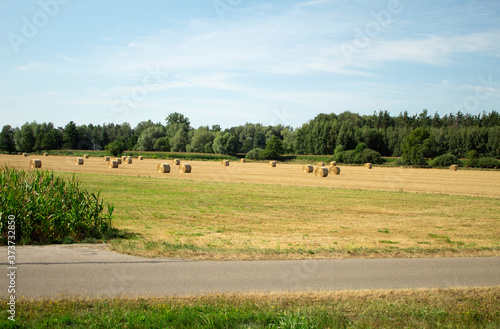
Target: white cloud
{"type": "Point", "coordinates": [31, 66]}
{"type": "Point", "coordinates": [311, 3]}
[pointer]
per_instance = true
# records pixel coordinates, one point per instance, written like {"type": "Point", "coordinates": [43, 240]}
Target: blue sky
{"type": "Point", "coordinates": [229, 62]}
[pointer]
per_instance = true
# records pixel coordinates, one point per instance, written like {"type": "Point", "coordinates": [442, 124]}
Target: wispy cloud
{"type": "Point", "coordinates": [431, 49]}
{"type": "Point", "coordinates": [311, 3]}
{"type": "Point", "coordinates": [31, 66]}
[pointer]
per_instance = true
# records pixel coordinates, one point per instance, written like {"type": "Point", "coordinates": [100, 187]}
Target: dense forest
{"type": "Point", "coordinates": [461, 135]}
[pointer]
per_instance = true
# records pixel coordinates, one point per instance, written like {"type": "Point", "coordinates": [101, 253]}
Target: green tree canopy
{"type": "Point", "coordinates": [148, 138]}
{"type": "Point", "coordinates": [416, 147]}
{"type": "Point", "coordinates": [274, 149]}
{"type": "Point", "coordinates": [7, 139]}
{"type": "Point", "coordinates": [202, 140]}
{"type": "Point", "coordinates": [70, 136]}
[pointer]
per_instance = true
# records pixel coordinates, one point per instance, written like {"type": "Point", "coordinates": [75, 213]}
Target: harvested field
{"type": "Point", "coordinates": [252, 211]}
{"type": "Point", "coordinates": [440, 181]}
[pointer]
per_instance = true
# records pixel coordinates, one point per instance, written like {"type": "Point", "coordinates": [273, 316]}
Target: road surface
{"type": "Point", "coordinates": [91, 271]}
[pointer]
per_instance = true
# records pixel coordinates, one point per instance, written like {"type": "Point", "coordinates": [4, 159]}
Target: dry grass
{"type": "Point", "coordinates": [251, 211]}
{"type": "Point", "coordinates": [436, 181]}
{"type": "Point", "coordinates": [217, 220]}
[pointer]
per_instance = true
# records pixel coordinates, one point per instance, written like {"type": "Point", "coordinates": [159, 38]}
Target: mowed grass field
{"type": "Point", "coordinates": [253, 211]}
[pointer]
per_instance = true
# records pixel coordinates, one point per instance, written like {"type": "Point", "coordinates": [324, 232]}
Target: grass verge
{"type": "Point", "coordinates": [443, 308]}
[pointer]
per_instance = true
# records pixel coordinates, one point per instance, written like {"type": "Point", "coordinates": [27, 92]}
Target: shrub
{"type": "Point", "coordinates": [48, 209]}
{"type": "Point", "coordinates": [115, 148]}
{"type": "Point", "coordinates": [472, 159]}
{"type": "Point", "coordinates": [488, 163]}
{"type": "Point", "coordinates": [445, 160]}
{"type": "Point", "coordinates": [367, 155]}
{"type": "Point", "coordinates": [339, 149]}
{"type": "Point", "coordinates": [255, 154]}
{"type": "Point", "coordinates": [360, 147]}
{"type": "Point", "coordinates": [345, 156]}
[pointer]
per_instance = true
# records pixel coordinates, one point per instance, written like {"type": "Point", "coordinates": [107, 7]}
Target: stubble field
{"type": "Point", "coordinates": [253, 211]}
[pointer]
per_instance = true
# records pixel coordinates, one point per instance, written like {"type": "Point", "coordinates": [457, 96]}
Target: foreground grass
{"type": "Point", "coordinates": [447, 308]}
{"type": "Point", "coordinates": [219, 220]}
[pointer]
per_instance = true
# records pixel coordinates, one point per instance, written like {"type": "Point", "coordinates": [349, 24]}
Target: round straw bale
{"type": "Point", "coordinates": [119, 160]}
{"type": "Point", "coordinates": [106, 158]}
{"type": "Point", "coordinates": [163, 168]}
{"type": "Point", "coordinates": [321, 164]}
{"type": "Point", "coordinates": [45, 154]}
{"type": "Point", "coordinates": [321, 171]}
{"type": "Point", "coordinates": [128, 160]}
{"type": "Point", "coordinates": [272, 163]}
{"type": "Point", "coordinates": [225, 163]}
{"type": "Point", "coordinates": [113, 164]}
{"type": "Point", "coordinates": [79, 161]}
{"type": "Point", "coordinates": [333, 163]}
{"type": "Point", "coordinates": [243, 160]}
{"type": "Point", "coordinates": [185, 168]}
{"type": "Point", "coordinates": [176, 162]}
{"type": "Point", "coordinates": [26, 155]}
{"type": "Point", "coordinates": [35, 163]}
{"type": "Point", "coordinates": [454, 167]}
{"type": "Point", "coordinates": [334, 170]}
{"type": "Point", "coordinates": [307, 169]}
{"type": "Point", "coordinates": [368, 165]}
{"type": "Point", "coordinates": [124, 158]}
{"type": "Point", "coordinates": [86, 156]}
{"type": "Point", "coordinates": [141, 157]}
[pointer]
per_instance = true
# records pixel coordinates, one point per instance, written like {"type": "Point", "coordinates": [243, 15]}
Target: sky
{"type": "Point", "coordinates": [230, 62]}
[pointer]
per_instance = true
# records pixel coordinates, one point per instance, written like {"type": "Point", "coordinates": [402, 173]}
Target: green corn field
{"type": "Point", "coordinates": [48, 209]}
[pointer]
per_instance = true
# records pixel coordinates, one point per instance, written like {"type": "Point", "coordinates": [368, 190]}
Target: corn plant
{"type": "Point", "coordinates": [48, 209]}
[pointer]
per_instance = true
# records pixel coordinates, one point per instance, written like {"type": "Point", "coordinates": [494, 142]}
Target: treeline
{"type": "Point", "coordinates": [456, 134]}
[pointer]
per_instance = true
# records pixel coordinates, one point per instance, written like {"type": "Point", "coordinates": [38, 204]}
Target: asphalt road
{"type": "Point", "coordinates": [91, 271]}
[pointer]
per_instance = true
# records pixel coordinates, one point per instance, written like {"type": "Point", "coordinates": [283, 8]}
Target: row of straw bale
{"type": "Point", "coordinates": [164, 168]}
